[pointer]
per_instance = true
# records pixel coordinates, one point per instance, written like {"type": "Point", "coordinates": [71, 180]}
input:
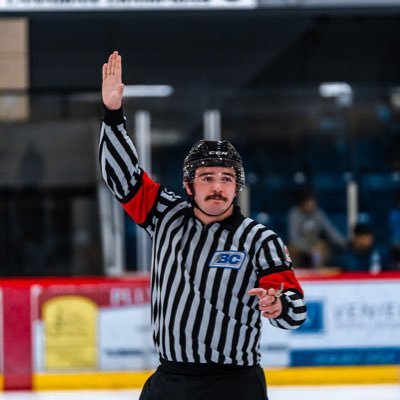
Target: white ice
{"type": "Point", "coordinates": [365, 392]}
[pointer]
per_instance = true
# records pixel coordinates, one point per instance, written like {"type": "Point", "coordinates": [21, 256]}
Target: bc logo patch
{"type": "Point", "coordinates": [227, 259]}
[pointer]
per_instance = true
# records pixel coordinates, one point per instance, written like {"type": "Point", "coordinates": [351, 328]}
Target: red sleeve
{"type": "Point", "coordinates": [143, 201]}
{"type": "Point", "coordinates": [275, 279]}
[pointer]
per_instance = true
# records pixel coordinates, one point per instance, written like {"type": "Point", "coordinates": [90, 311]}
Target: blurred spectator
{"type": "Point", "coordinates": [394, 227]}
{"type": "Point", "coordinates": [362, 254]}
{"type": "Point", "coordinates": [311, 234]}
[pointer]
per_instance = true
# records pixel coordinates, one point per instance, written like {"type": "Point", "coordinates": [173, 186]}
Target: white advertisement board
{"type": "Point", "coordinates": [353, 322]}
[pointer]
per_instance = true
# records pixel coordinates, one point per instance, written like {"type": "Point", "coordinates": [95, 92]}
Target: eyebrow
{"type": "Point", "coordinates": [220, 173]}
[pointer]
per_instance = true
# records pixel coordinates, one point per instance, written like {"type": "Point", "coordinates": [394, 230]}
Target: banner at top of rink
{"type": "Point", "coordinates": [110, 5]}
{"type": "Point", "coordinates": [159, 5]}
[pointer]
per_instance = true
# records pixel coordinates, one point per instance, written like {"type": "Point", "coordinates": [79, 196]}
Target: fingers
{"type": "Point", "coordinates": [113, 66]}
{"type": "Point", "coordinates": [118, 66]}
{"type": "Point", "coordinates": [112, 63]}
{"type": "Point", "coordinates": [259, 292]}
{"type": "Point", "coordinates": [267, 302]}
{"type": "Point", "coordinates": [271, 314]}
{"type": "Point", "coordinates": [108, 69]}
{"type": "Point", "coordinates": [269, 305]}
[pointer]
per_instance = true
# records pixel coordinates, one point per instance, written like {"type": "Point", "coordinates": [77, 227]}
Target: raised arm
{"type": "Point", "coordinates": [132, 187]}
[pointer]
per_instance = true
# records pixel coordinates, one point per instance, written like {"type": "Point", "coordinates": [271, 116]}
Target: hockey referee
{"type": "Point", "coordinates": [214, 272]}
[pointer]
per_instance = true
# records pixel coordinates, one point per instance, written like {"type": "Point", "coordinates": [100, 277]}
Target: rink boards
{"type": "Point", "coordinates": [95, 333]}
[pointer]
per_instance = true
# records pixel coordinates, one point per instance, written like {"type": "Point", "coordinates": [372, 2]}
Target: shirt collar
{"type": "Point", "coordinates": [233, 221]}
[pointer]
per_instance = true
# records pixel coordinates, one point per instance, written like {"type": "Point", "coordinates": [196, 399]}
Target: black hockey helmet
{"type": "Point", "coordinates": [213, 153]}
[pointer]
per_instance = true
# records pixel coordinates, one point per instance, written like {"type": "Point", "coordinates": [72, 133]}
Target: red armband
{"type": "Point", "coordinates": [143, 201]}
{"type": "Point", "coordinates": [275, 280]}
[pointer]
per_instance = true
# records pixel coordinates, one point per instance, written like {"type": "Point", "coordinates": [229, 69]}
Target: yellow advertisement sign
{"type": "Point", "coordinates": [70, 333]}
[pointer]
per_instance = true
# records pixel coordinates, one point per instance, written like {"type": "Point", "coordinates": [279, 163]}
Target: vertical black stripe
{"type": "Point", "coordinates": [113, 178]}
{"type": "Point", "coordinates": [267, 254]}
{"type": "Point", "coordinates": [279, 250]}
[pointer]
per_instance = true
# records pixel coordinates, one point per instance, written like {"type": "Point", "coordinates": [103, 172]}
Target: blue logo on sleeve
{"type": "Point", "coordinates": [227, 259]}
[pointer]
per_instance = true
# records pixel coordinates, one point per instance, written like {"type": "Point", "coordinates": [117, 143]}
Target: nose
{"type": "Point", "coordinates": [217, 186]}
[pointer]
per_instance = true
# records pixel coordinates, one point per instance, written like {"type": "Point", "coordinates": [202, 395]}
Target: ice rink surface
{"type": "Point", "coordinates": [370, 392]}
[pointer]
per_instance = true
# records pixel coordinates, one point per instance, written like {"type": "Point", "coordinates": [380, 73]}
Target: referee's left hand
{"type": "Point", "coordinates": [269, 305]}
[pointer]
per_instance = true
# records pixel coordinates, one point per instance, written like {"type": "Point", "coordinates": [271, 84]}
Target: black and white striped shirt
{"type": "Point", "coordinates": [201, 312]}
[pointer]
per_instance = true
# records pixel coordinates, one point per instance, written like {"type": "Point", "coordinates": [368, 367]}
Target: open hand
{"type": "Point", "coordinates": [269, 305]}
{"type": "Point", "coordinates": [112, 87]}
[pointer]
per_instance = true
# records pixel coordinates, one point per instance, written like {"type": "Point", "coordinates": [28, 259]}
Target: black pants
{"type": "Point", "coordinates": [240, 383]}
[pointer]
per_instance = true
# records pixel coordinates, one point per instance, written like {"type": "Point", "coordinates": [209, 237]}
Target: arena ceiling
{"type": "Point", "coordinates": [218, 49]}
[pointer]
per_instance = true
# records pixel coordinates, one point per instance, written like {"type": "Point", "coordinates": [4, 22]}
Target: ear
{"type": "Point", "coordinates": [187, 188]}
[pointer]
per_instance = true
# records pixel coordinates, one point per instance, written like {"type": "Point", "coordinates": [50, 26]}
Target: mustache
{"type": "Point", "coordinates": [216, 197]}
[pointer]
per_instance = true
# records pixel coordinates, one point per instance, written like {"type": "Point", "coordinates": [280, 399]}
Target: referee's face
{"type": "Point", "coordinates": [214, 191]}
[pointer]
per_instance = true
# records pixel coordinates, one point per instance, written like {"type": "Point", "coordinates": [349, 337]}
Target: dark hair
{"type": "Point", "coordinates": [362, 229]}
{"type": "Point", "coordinates": [304, 195]}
